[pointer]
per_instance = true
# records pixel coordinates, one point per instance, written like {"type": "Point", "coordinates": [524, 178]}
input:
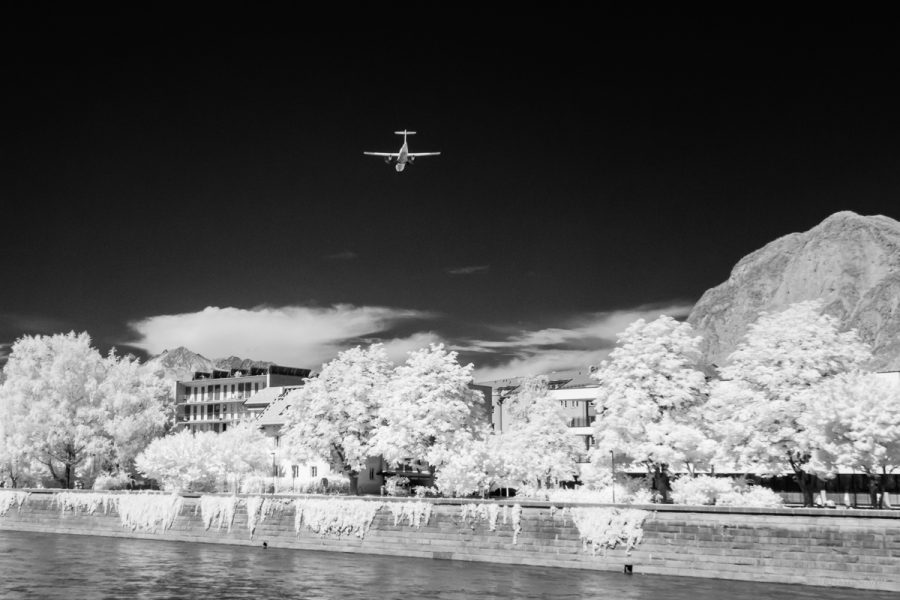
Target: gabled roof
{"type": "Point", "coordinates": [558, 380]}
{"type": "Point", "coordinates": [263, 397]}
{"type": "Point", "coordinates": [274, 414]}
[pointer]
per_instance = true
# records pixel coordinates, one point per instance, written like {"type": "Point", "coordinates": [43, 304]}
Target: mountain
{"type": "Point", "coordinates": [851, 262]}
{"type": "Point", "coordinates": [241, 364]}
{"type": "Point", "coordinates": [180, 364]}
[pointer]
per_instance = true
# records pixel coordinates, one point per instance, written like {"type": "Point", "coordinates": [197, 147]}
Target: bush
{"type": "Point", "coordinates": [112, 481]}
{"type": "Point", "coordinates": [702, 490]}
{"type": "Point", "coordinates": [751, 495]}
{"type": "Point", "coordinates": [335, 484]}
{"type": "Point", "coordinates": [722, 491]}
{"type": "Point", "coordinates": [396, 485]}
{"type": "Point", "coordinates": [626, 491]}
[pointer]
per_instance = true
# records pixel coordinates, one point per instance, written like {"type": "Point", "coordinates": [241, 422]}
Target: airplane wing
{"type": "Point", "coordinates": [393, 154]}
{"type": "Point", "coordinates": [423, 154]}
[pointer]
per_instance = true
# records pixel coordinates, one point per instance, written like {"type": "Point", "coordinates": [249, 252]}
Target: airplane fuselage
{"type": "Point", "coordinates": [403, 156]}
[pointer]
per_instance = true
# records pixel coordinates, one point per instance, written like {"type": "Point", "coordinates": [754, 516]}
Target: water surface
{"type": "Point", "coordinates": [75, 567]}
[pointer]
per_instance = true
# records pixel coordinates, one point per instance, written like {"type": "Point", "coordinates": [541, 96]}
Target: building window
{"type": "Point", "coordinates": [277, 440]}
{"type": "Point", "coordinates": [256, 387]}
{"type": "Point", "coordinates": [295, 471]}
{"type": "Point", "coordinates": [371, 474]}
{"type": "Point", "coordinates": [314, 471]}
{"type": "Point", "coordinates": [218, 392]}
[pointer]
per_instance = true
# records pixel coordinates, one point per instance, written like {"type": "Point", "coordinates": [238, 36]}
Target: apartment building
{"type": "Point", "coordinates": [574, 390]}
{"type": "Point", "coordinates": [214, 401]}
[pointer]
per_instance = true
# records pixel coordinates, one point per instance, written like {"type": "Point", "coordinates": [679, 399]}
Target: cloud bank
{"type": "Point", "coordinates": [585, 340]}
{"type": "Point", "coordinates": [299, 336]}
{"type": "Point", "coordinates": [305, 336]}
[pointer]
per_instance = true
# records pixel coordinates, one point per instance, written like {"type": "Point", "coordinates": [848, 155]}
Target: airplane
{"type": "Point", "coordinates": [404, 155]}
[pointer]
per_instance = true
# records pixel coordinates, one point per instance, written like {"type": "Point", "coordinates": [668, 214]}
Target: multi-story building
{"type": "Point", "coordinates": [574, 390]}
{"type": "Point", "coordinates": [213, 401]}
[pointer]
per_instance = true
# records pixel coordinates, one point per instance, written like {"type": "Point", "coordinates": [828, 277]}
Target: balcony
{"type": "Point", "coordinates": [581, 421]}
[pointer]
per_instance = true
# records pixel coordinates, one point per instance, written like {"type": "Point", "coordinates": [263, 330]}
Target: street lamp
{"type": "Point", "coordinates": [612, 460]}
{"type": "Point", "coordinates": [274, 471]}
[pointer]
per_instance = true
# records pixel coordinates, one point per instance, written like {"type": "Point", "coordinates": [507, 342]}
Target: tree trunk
{"type": "Point", "coordinates": [874, 500]}
{"type": "Point", "coordinates": [806, 481]}
{"type": "Point", "coordinates": [807, 486]}
{"type": "Point", "coordinates": [60, 478]}
{"type": "Point", "coordinates": [353, 477]}
{"type": "Point", "coordinates": [882, 489]}
{"type": "Point", "coordinates": [661, 482]}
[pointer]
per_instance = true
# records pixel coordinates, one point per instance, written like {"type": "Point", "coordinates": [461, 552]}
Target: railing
{"type": "Point", "coordinates": [581, 421]}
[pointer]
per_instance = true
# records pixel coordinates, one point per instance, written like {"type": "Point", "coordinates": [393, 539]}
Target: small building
{"type": "Point", "coordinates": [575, 391]}
{"type": "Point", "coordinates": [213, 401]}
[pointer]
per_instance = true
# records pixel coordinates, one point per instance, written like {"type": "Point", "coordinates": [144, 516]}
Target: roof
{"type": "Point", "coordinates": [263, 397]}
{"type": "Point", "coordinates": [274, 414]}
{"type": "Point", "coordinates": [579, 378]}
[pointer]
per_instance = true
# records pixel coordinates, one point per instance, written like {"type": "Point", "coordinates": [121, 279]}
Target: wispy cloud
{"type": "Point", "coordinates": [583, 340]}
{"type": "Point", "coordinates": [306, 336]}
{"type": "Point", "coordinates": [345, 255]}
{"type": "Point", "coordinates": [301, 336]}
{"type": "Point", "coordinates": [398, 348]}
{"type": "Point", "coordinates": [4, 351]}
{"type": "Point", "coordinates": [470, 270]}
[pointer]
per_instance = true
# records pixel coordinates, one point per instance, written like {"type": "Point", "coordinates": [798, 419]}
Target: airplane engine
{"type": "Point", "coordinates": [400, 167]}
{"type": "Point", "coordinates": [387, 159]}
{"type": "Point", "coordinates": [412, 159]}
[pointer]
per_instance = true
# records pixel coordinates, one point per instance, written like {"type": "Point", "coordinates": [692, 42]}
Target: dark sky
{"type": "Point", "coordinates": [153, 174]}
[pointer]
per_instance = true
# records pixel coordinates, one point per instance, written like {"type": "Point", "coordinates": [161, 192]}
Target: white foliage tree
{"type": "Point", "coordinates": [649, 400]}
{"type": "Point", "coordinates": [537, 448]}
{"type": "Point", "coordinates": [853, 420]}
{"type": "Point", "coordinates": [334, 416]}
{"type": "Point", "coordinates": [71, 406]}
{"type": "Point", "coordinates": [428, 411]}
{"type": "Point", "coordinates": [136, 405]}
{"type": "Point", "coordinates": [206, 461]}
{"type": "Point", "coordinates": [468, 471]}
{"type": "Point", "coordinates": [15, 463]}
{"type": "Point", "coordinates": [759, 402]}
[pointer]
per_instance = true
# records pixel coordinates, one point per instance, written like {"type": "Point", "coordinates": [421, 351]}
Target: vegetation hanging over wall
{"type": "Point", "coordinates": [145, 512]}
{"type": "Point", "coordinates": [10, 499]}
{"type": "Point", "coordinates": [603, 528]}
{"type": "Point", "coordinates": [258, 508]}
{"type": "Point", "coordinates": [148, 512]}
{"type": "Point", "coordinates": [335, 517]}
{"type": "Point", "coordinates": [217, 510]}
{"type": "Point", "coordinates": [88, 502]}
{"type": "Point", "coordinates": [415, 513]}
{"type": "Point", "coordinates": [489, 513]}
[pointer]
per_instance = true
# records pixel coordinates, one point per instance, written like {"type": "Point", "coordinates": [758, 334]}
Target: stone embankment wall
{"type": "Point", "coordinates": [858, 549]}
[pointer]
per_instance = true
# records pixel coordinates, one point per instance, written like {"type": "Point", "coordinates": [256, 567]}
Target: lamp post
{"type": "Point", "coordinates": [612, 460]}
{"type": "Point", "coordinates": [274, 471]}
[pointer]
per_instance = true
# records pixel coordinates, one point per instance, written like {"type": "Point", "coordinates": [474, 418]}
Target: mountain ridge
{"type": "Point", "coordinates": [850, 261]}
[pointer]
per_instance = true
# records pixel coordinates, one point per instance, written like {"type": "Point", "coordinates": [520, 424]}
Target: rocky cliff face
{"type": "Point", "coordinates": [852, 262]}
{"type": "Point", "coordinates": [180, 364]}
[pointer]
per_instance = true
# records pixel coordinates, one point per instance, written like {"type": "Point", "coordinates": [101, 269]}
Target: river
{"type": "Point", "coordinates": [78, 567]}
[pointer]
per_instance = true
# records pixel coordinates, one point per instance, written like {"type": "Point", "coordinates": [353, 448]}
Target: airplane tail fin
{"type": "Point", "coordinates": [405, 132]}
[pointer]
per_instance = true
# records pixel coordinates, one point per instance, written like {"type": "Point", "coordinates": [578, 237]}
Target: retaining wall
{"type": "Point", "coordinates": [859, 549]}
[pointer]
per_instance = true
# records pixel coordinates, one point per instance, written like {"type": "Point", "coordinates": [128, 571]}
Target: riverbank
{"type": "Point", "coordinates": [827, 547]}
